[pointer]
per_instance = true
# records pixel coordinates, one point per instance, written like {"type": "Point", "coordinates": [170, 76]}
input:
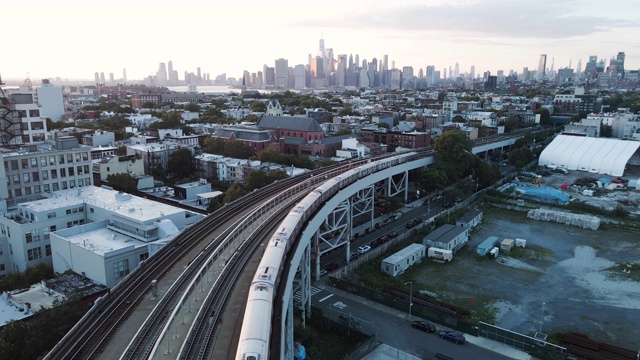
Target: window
{"type": "Point", "coordinates": [1, 267]}
{"type": "Point", "coordinates": [63, 172]}
{"type": "Point", "coordinates": [36, 189]}
{"type": "Point", "coordinates": [68, 211]}
{"type": "Point", "coordinates": [64, 185]}
{"type": "Point", "coordinates": [43, 161]}
{"type": "Point", "coordinates": [35, 234]}
{"type": "Point", "coordinates": [34, 162]}
{"type": "Point", "coordinates": [16, 178]}
{"type": "Point", "coordinates": [47, 188]}
{"type": "Point", "coordinates": [34, 254]}
{"type": "Point", "coordinates": [72, 184]}
{"type": "Point", "coordinates": [55, 187]}
{"type": "Point", "coordinates": [60, 159]}
{"type": "Point", "coordinates": [86, 169]}
{"type": "Point", "coordinates": [121, 269]}
{"type": "Point", "coordinates": [71, 171]}
{"type": "Point", "coordinates": [35, 176]}
{"type": "Point", "coordinates": [91, 210]}
{"type": "Point", "coordinates": [69, 158]}
{"type": "Point", "coordinates": [54, 173]}
{"type": "Point", "coordinates": [52, 160]}
{"type": "Point", "coordinates": [85, 157]}
{"type": "Point", "coordinates": [25, 163]}
{"type": "Point", "coordinates": [79, 170]}
{"type": "Point", "coordinates": [27, 190]}
{"type": "Point", "coordinates": [70, 224]}
{"type": "Point", "coordinates": [81, 209]}
{"type": "Point", "coordinates": [34, 113]}
{"type": "Point", "coordinates": [80, 182]}
{"type": "Point", "coordinates": [74, 210]}
{"type": "Point", "coordinates": [14, 164]}
{"type": "Point", "coordinates": [18, 192]}
{"type": "Point", "coordinates": [47, 250]}
{"type": "Point", "coordinates": [144, 256]}
{"type": "Point", "coordinates": [36, 125]}
{"type": "Point", "coordinates": [26, 178]}
{"type": "Point", "coordinates": [51, 215]}
{"type": "Point", "coordinates": [45, 175]}
{"type": "Point", "coordinates": [77, 157]}
{"type": "Point", "coordinates": [53, 228]}
{"type": "Point", "coordinates": [87, 181]}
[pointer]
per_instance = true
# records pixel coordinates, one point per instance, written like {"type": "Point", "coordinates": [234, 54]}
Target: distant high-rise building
{"type": "Point", "coordinates": [457, 71]}
{"type": "Point", "coordinates": [281, 69]}
{"type": "Point", "coordinates": [321, 47]}
{"type": "Point", "coordinates": [317, 68]}
{"type": "Point", "coordinates": [590, 69]}
{"type": "Point", "coordinates": [357, 60]}
{"type": "Point", "coordinates": [341, 70]}
{"type": "Point", "coordinates": [385, 63]}
{"type": "Point", "coordinates": [112, 78]}
{"type": "Point", "coordinates": [407, 72]}
{"type": "Point", "coordinates": [300, 80]}
{"type": "Point", "coordinates": [579, 69]}
{"type": "Point", "coordinates": [473, 72]}
{"type": "Point", "coordinates": [102, 78]}
{"type": "Point", "coordinates": [350, 66]}
{"type": "Point", "coordinates": [124, 75]}
{"type": "Point", "coordinates": [161, 75]}
{"type": "Point", "coordinates": [420, 74]}
{"type": "Point", "coordinates": [97, 76]}
{"type": "Point", "coordinates": [542, 67]}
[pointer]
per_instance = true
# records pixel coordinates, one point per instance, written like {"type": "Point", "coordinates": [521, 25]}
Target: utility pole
{"type": "Point", "coordinates": [410, 296]}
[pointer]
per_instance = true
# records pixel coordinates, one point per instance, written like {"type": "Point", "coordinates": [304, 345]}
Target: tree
{"type": "Point", "coordinates": [251, 118]}
{"type": "Point", "coordinates": [520, 157]}
{"type": "Point", "coordinates": [432, 180]}
{"type": "Point", "coordinates": [459, 119]}
{"type": "Point", "coordinates": [234, 192]}
{"type": "Point", "coordinates": [452, 145]}
{"type": "Point", "coordinates": [257, 106]}
{"type": "Point", "coordinates": [192, 107]}
{"type": "Point", "coordinates": [512, 123]}
{"type": "Point", "coordinates": [237, 149]}
{"type": "Point", "coordinates": [606, 131]}
{"type": "Point", "coordinates": [269, 155]}
{"type": "Point", "coordinates": [181, 163]}
{"type": "Point", "coordinates": [545, 116]}
{"type": "Point", "coordinates": [123, 182]}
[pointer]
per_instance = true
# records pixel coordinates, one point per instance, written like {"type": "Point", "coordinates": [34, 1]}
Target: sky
{"type": "Point", "coordinates": [73, 39]}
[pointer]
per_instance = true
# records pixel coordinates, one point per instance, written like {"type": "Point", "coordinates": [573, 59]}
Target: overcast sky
{"type": "Point", "coordinates": [75, 38]}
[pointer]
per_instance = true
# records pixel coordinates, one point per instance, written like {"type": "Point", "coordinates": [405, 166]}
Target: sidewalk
{"type": "Point", "coordinates": [494, 346]}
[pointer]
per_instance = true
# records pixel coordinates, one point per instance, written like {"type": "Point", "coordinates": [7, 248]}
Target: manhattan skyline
{"type": "Point", "coordinates": [73, 39]}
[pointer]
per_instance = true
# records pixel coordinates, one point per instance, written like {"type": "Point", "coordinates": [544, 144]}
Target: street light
{"type": "Point", "coordinates": [410, 296]}
{"type": "Point", "coordinates": [542, 318]}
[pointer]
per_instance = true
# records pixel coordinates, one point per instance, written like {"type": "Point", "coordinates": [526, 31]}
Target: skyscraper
{"type": "Point", "coordinates": [124, 75]}
{"type": "Point", "coordinates": [282, 72]}
{"type": "Point", "coordinates": [299, 77]}
{"type": "Point", "coordinates": [473, 72]}
{"type": "Point", "coordinates": [457, 71]}
{"type": "Point", "coordinates": [97, 76]}
{"type": "Point", "coordinates": [161, 75]}
{"type": "Point", "coordinates": [542, 66]}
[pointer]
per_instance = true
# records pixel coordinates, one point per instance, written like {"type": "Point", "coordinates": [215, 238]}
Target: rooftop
{"type": "Point", "coordinates": [123, 204]}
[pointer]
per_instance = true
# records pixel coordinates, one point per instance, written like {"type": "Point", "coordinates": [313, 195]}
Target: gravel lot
{"type": "Point", "coordinates": [568, 277]}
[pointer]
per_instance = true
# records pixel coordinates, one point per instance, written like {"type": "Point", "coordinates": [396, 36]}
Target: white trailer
{"type": "Point", "coordinates": [440, 255]}
{"type": "Point", "coordinates": [521, 242]}
{"type": "Point", "coordinates": [397, 263]}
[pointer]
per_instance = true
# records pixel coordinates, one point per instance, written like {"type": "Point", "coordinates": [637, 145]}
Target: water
{"type": "Point", "coordinates": [215, 89]}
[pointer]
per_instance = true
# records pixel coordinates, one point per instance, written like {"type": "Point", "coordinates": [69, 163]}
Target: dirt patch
{"type": "Point", "coordinates": [567, 279]}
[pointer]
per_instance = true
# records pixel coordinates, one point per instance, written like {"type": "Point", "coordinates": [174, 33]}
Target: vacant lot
{"type": "Point", "coordinates": [567, 279]}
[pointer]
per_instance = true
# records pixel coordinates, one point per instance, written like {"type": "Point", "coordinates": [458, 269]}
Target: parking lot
{"type": "Point", "coordinates": [567, 279]}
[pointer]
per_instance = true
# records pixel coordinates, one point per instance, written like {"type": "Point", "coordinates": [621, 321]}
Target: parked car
{"type": "Point", "coordinates": [364, 249]}
{"type": "Point", "coordinates": [353, 255]}
{"type": "Point", "coordinates": [453, 336]}
{"type": "Point", "coordinates": [393, 234]}
{"type": "Point", "coordinates": [424, 326]}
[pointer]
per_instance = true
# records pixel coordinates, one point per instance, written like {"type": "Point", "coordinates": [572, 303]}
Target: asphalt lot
{"type": "Point", "coordinates": [569, 282]}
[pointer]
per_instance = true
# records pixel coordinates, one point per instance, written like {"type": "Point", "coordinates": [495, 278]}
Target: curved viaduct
{"type": "Point", "coordinates": [332, 227]}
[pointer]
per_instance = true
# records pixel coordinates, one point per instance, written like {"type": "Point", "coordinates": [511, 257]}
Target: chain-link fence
{"type": "Point", "coordinates": [533, 346]}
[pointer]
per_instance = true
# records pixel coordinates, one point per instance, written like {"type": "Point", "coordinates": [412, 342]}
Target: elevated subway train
{"type": "Point", "coordinates": [256, 326]}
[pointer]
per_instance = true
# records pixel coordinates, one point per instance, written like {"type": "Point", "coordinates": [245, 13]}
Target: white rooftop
{"type": "Point", "coordinates": [119, 203]}
{"type": "Point", "coordinates": [103, 240]}
{"type": "Point", "coordinates": [12, 306]}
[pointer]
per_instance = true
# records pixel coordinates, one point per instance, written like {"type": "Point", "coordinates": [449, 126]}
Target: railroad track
{"type": "Point", "coordinates": [202, 335]}
{"type": "Point", "coordinates": [89, 336]}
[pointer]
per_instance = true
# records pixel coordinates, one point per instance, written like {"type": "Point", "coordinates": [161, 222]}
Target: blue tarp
{"type": "Point", "coordinates": [544, 194]}
{"type": "Point", "coordinates": [605, 180]}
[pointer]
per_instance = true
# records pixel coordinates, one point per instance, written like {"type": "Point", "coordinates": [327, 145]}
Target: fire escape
{"type": "Point", "coordinates": [10, 120]}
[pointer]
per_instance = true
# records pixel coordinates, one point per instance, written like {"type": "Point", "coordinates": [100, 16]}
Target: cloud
{"type": "Point", "coordinates": [543, 19]}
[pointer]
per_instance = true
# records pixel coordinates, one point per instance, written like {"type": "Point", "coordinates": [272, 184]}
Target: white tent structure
{"type": "Point", "coordinates": [595, 155]}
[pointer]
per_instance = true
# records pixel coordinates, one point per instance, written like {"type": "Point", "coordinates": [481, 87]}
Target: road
{"type": "Point", "coordinates": [394, 328]}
